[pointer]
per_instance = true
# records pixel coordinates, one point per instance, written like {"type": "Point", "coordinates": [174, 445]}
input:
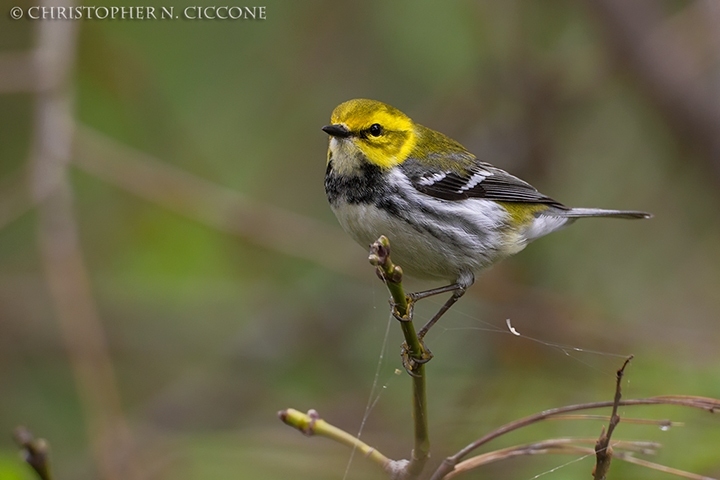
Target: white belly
{"type": "Point", "coordinates": [421, 254]}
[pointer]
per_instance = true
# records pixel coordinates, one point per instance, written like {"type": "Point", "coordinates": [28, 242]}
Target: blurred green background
{"type": "Point", "coordinates": [181, 278]}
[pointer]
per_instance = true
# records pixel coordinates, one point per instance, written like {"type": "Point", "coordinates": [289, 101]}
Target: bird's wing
{"type": "Point", "coordinates": [472, 180]}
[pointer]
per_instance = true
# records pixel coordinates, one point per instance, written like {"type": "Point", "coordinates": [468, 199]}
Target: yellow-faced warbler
{"type": "Point", "coordinates": [447, 214]}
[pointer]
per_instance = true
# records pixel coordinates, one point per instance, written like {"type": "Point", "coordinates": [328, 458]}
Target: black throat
{"type": "Point", "coordinates": [364, 187]}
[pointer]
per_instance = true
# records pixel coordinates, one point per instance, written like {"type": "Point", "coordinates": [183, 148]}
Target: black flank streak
{"type": "Point", "coordinates": [368, 188]}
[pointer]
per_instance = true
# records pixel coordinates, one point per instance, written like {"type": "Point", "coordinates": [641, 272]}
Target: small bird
{"type": "Point", "coordinates": [447, 214]}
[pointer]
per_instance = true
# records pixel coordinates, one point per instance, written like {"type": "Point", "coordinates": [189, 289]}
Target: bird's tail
{"type": "Point", "coordinates": [599, 212]}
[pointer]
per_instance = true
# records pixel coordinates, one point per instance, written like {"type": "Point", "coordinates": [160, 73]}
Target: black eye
{"type": "Point", "coordinates": [375, 130]}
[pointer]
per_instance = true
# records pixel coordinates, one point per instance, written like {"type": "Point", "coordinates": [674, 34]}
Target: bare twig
{"type": "Point", "coordinates": [35, 452]}
{"type": "Point", "coordinates": [703, 403]}
{"type": "Point", "coordinates": [603, 450]}
{"type": "Point", "coordinates": [557, 446]}
{"type": "Point", "coordinates": [565, 446]}
{"type": "Point", "coordinates": [662, 423]}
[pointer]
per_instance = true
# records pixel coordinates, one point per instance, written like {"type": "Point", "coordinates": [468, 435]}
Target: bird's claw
{"type": "Point", "coordinates": [409, 313]}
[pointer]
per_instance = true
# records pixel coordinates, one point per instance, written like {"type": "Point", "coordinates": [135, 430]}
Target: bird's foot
{"type": "Point", "coordinates": [410, 362]}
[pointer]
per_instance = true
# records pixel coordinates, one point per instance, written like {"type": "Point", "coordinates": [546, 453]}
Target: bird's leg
{"type": "Point", "coordinates": [458, 291]}
{"type": "Point", "coordinates": [434, 291]}
{"type": "Point", "coordinates": [458, 288]}
{"type": "Point", "coordinates": [410, 362]}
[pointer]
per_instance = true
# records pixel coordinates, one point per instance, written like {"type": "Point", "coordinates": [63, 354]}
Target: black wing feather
{"type": "Point", "coordinates": [482, 180]}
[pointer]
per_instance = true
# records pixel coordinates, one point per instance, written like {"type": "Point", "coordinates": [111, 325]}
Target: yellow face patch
{"type": "Point", "coordinates": [384, 134]}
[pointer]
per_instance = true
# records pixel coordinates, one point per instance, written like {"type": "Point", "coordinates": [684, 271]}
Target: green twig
{"type": "Point", "coordinates": [311, 424]}
{"type": "Point", "coordinates": [391, 275]}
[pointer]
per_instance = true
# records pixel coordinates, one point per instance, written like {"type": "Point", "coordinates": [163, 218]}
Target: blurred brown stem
{"type": "Point", "coordinates": [35, 452]}
{"type": "Point", "coordinates": [664, 68]}
{"type": "Point", "coordinates": [61, 253]}
{"type": "Point", "coordinates": [15, 199]}
{"type": "Point", "coordinates": [211, 204]}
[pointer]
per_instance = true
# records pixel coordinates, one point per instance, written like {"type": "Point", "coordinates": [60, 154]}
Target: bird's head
{"type": "Point", "coordinates": [371, 131]}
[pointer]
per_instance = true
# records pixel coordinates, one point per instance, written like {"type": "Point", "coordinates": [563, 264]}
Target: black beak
{"type": "Point", "coordinates": [336, 130]}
